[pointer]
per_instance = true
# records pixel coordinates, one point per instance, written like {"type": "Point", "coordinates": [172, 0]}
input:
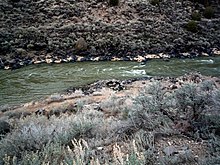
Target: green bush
{"type": "Point", "coordinates": [113, 2]}
{"type": "Point", "coordinates": [196, 16]}
{"type": "Point", "coordinates": [192, 26]}
{"type": "Point", "coordinates": [208, 12]}
{"type": "Point", "coordinates": [155, 2]}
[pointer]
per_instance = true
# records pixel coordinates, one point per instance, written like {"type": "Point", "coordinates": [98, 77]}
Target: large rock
{"type": "Point", "coordinates": [81, 44]}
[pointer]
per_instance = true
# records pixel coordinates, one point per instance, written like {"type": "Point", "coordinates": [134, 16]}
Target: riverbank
{"type": "Point", "coordinates": [62, 31]}
{"type": "Point", "coordinates": [156, 119]}
{"type": "Point", "coordinates": [105, 89]}
{"type": "Point", "coordinates": [19, 62]}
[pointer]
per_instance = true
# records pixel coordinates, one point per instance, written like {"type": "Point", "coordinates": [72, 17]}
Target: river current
{"type": "Point", "coordinates": [37, 81]}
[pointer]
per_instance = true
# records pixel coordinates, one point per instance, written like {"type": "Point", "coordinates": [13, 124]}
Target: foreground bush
{"type": "Point", "coordinates": [32, 134]}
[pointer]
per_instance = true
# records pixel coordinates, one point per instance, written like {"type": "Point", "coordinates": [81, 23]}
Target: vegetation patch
{"type": "Point", "coordinates": [155, 2]}
{"type": "Point", "coordinates": [113, 2]}
{"type": "Point", "coordinates": [196, 16]}
{"type": "Point", "coordinates": [208, 12]}
{"type": "Point", "coordinates": [192, 26]}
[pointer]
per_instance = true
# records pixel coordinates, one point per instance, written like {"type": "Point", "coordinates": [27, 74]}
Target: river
{"type": "Point", "coordinates": [37, 81]}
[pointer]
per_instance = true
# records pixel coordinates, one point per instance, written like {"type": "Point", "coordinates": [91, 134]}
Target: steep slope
{"type": "Point", "coordinates": [53, 27]}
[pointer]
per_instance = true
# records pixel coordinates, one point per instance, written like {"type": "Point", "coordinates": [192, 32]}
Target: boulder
{"type": "Point", "coordinates": [81, 44]}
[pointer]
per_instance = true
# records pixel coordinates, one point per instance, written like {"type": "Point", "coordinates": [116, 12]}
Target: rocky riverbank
{"type": "Point", "coordinates": [102, 90]}
{"type": "Point", "coordinates": [58, 31]}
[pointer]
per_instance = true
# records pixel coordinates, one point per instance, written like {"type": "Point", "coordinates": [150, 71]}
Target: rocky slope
{"type": "Point", "coordinates": [58, 30]}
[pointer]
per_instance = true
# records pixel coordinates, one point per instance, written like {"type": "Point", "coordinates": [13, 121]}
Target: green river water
{"type": "Point", "coordinates": [37, 81]}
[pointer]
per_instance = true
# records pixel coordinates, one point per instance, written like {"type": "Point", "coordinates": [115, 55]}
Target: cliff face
{"type": "Point", "coordinates": [53, 27]}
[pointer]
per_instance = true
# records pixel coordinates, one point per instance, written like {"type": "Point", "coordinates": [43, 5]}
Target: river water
{"type": "Point", "coordinates": [37, 81]}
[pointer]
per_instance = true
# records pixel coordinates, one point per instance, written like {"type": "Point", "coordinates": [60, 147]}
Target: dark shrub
{"type": "Point", "coordinates": [208, 12]}
{"type": "Point", "coordinates": [14, 1]}
{"type": "Point", "coordinates": [196, 16]}
{"type": "Point", "coordinates": [204, 2]}
{"type": "Point", "coordinates": [4, 127]}
{"type": "Point", "coordinates": [113, 2]}
{"type": "Point", "coordinates": [155, 2]}
{"type": "Point", "coordinates": [192, 26]}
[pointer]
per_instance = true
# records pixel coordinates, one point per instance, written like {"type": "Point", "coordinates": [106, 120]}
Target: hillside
{"type": "Point", "coordinates": [61, 30]}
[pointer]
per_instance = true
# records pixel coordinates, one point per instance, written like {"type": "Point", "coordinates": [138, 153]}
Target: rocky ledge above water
{"type": "Point", "coordinates": [103, 90]}
{"type": "Point", "coordinates": [76, 30]}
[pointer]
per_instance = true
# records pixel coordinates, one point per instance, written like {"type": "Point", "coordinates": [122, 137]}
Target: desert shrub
{"type": "Point", "coordinates": [151, 98]}
{"type": "Point", "coordinates": [145, 143]}
{"type": "Point", "coordinates": [81, 153]}
{"type": "Point", "coordinates": [135, 156]}
{"type": "Point", "coordinates": [151, 106]}
{"type": "Point", "coordinates": [154, 108]}
{"type": "Point", "coordinates": [186, 158]}
{"type": "Point", "coordinates": [214, 147]}
{"type": "Point", "coordinates": [33, 134]}
{"type": "Point", "coordinates": [208, 12]}
{"type": "Point", "coordinates": [196, 16]}
{"type": "Point", "coordinates": [113, 2]}
{"type": "Point", "coordinates": [191, 100]}
{"type": "Point", "coordinates": [192, 26]}
{"type": "Point", "coordinates": [207, 85]}
{"type": "Point", "coordinates": [215, 101]}
{"type": "Point", "coordinates": [198, 104]}
{"type": "Point", "coordinates": [155, 2]}
{"type": "Point", "coordinates": [210, 161]}
{"type": "Point", "coordinates": [115, 106]}
{"type": "Point", "coordinates": [154, 99]}
{"type": "Point", "coordinates": [54, 153]}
